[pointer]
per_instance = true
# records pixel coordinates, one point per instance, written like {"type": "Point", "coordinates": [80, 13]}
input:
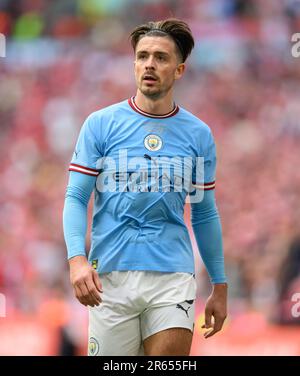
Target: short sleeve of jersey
{"type": "Point", "coordinates": [204, 174]}
{"type": "Point", "coordinates": [88, 148]}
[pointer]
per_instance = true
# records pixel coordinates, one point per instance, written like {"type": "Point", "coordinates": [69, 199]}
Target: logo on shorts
{"type": "Point", "coordinates": [93, 346]}
{"type": "Point", "coordinates": [153, 142]}
{"type": "Point", "coordinates": [190, 302]}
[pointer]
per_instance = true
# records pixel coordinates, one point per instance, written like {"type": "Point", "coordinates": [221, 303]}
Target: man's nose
{"type": "Point", "coordinates": [150, 63]}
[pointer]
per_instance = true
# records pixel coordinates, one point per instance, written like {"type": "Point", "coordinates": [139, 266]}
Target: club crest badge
{"type": "Point", "coordinates": [93, 346]}
{"type": "Point", "coordinates": [153, 142]}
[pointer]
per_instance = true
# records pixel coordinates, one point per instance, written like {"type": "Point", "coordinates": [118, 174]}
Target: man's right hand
{"type": "Point", "coordinates": [85, 281]}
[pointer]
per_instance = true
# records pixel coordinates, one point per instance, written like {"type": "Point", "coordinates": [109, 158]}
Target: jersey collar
{"type": "Point", "coordinates": [133, 105]}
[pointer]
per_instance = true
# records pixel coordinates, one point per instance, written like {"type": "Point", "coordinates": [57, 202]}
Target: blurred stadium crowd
{"type": "Point", "coordinates": [67, 58]}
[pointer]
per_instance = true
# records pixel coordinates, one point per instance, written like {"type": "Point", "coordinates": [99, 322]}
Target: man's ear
{"type": "Point", "coordinates": [179, 71]}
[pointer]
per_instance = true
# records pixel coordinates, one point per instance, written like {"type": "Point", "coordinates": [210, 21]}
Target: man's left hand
{"type": "Point", "coordinates": [216, 308]}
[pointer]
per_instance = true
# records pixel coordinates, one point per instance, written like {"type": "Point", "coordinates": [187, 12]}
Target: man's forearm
{"type": "Point", "coordinates": [209, 241]}
{"type": "Point", "coordinates": [208, 233]}
{"type": "Point", "coordinates": [75, 226]}
{"type": "Point", "coordinates": [75, 213]}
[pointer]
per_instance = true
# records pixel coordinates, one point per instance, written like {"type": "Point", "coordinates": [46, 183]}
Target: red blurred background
{"type": "Point", "coordinates": [67, 58]}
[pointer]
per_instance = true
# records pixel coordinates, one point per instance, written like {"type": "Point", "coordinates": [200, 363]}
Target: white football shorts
{"type": "Point", "coordinates": [137, 304]}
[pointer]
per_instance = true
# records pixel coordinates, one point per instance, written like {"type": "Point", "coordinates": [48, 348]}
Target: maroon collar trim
{"type": "Point", "coordinates": [133, 105]}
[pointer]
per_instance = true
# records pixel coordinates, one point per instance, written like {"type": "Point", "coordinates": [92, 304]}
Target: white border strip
{"type": "Point", "coordinates": [82, 169]}
{"type": "Point", "coordinates": [209, 186]}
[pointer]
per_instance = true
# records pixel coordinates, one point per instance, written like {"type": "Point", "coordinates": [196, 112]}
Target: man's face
{"type": "Point", "coordinates": [156, 66]}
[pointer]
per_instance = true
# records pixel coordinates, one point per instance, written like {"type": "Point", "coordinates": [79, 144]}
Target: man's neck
{"type": "Point", "coordinates": [159, 106]}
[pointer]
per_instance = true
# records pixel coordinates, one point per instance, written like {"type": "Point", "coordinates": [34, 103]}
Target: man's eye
{"type": "Point", "coordinates": [161, 58]}
{"type": "Point", "coordinates": [141, 57]}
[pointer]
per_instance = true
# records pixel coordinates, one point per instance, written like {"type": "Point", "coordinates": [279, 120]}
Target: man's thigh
{"type": "Point", "coordinates": [173, 341]}
{"type": "Point", "coordinates": [168, 330]}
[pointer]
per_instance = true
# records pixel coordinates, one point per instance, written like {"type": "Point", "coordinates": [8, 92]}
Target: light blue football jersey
{"type": "Point", "coordinates": [145, 165]}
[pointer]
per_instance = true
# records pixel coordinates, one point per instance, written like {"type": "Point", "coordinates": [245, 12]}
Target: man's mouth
{"type": "Point", "coordinates": [149, 78]}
